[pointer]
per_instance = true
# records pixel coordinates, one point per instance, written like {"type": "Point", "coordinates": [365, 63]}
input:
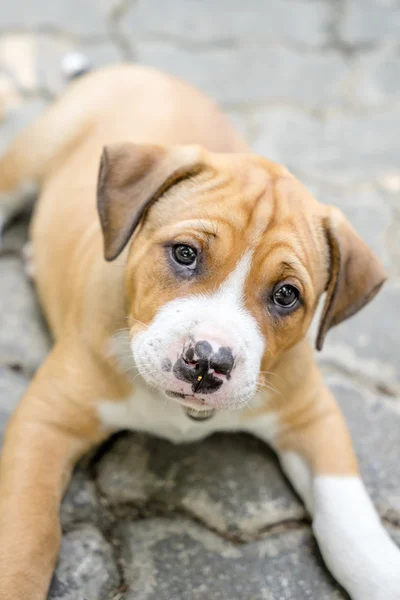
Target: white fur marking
{"type": "Point", "coordinates": [265, 426]}
{"type": "Point", "coordinates": [150, 411]}
{"type": "Point", "coordinates": [353, 541]}
{"type": "Point", "coordinates": [299, 475]}
{"type": "Point", "coordinates": [233, 286]}
{"type": "Point", "coordinates": [223, 313]}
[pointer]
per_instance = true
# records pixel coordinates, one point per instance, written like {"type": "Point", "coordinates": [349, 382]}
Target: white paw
{"type": "Point", "coordinates": [355, 545]}
{"type": "Point", "coordinates": [382, 580]}
{"type": "Point", "coordinates": [390, 587]}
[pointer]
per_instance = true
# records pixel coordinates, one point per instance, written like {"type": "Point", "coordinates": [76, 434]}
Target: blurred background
{"type": "Point", "coordinates": [314, 84]}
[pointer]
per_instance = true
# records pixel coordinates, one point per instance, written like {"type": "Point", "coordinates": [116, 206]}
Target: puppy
{"type": "Point", "coordinates": [208, 263]}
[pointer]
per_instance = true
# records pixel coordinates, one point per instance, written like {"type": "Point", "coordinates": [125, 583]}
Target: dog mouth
{"type": "Point", "coordinates": [203, 415]}
{"type": "Point", "coordinates": [195, 408]}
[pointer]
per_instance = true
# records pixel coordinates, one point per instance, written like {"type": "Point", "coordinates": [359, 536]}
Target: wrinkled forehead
{"type": "Point", "coordinates": [240, 208]}
{"type": "Point", "coordinates": [249, 201]}
{"type": "Point", "coordinates": [236, 193]}
{"type": "Point", "coordinates": [292, 235]}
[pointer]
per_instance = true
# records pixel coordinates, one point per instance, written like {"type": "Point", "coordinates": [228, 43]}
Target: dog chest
{"type": "Point", "coordinates": [151, 412]}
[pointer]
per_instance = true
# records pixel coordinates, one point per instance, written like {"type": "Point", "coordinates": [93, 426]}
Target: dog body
{"type": "Point", "coordinates": [195, 322]}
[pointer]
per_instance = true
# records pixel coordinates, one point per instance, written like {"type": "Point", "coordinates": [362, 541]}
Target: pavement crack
{"type": "Point", "coordinates": [120, 592]}
{"type": "Point", "coordinates": [392, 521]}
{"type": "Point", "coordinates": [120, 9]}
{"type": "Point", "coordinates": [151, 509]}
{"type": "Point", "coordinates": [181, 42]}
{"type": "Point", "coordinates": [117, 37]}
{"type": "Point", "coordinates": [283, 526]}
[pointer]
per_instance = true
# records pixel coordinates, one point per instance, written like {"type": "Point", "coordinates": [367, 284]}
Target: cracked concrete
{"type": "Point", "coordinates": [314, 84]}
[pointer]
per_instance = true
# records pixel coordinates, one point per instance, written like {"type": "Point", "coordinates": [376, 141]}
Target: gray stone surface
{"type": "Point", "coordinates": [192, 22]}
{"type": "Point", "coordinates": [86, 569]}
{"type": "Point", "coordinates": [311, 83]}
{"type": "Point", "coordinates": [80, 17]}
{"type": "Point", "coordinates": [23, 338]}
{"type": "Point", "coordinates": [377, 80]}
{"type": "Point", "coordinates": [232, 483]}
{"type": "Point", "coordinates": [249, 74]}
{"type": "Point", "coordinates": [368, 208]}
{"type": "Point", "coordinates": [14, 238]}
{"type": "Point", "coordinates": [164, 559]}
{"type": "Point", "coordinates": [80, 503]}
{"type": "Point", "coordinates": [366, 22]}
{"type": "Point", "coordinates": [340, 148]}
{"type": "Point", "coordinates": [18, 119]}
{"type": "Point", "coordinates": [12, 387]}
{"type": "Point", "coordinates": [369, 344]}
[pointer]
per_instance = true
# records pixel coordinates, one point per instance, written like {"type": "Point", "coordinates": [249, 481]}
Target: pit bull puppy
{"type": "Point", "coordinates": [179, 302]}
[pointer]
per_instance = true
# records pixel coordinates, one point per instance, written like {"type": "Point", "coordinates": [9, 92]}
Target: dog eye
{"type": "Point", "coordinates": [184, 255]}
{"type": "Point", "coordinates": [286, 296]}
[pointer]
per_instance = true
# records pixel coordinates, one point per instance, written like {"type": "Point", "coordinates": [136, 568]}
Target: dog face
{"type": "Point", "coordinates": [229, 257]}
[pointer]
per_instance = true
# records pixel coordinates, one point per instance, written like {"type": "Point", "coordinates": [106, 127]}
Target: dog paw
{"type": "Point", "coordinates": [390, 588]}
{"type": "Point", "coordinates": [383, 584]}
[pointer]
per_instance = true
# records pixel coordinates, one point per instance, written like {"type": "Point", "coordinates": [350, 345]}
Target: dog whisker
{"type": "Point", "coordinates": [271, 373]}
{"type": "Point", "coordinates": [262, 387]}
{"type": "Point", "coordinates": [140, 322]}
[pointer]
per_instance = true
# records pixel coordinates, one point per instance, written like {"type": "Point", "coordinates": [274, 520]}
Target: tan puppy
{"type": "Point", "coordinates": [215, 262]}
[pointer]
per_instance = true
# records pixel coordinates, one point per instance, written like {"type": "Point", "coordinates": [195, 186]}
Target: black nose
{"type": "Point", "coordinates": [202, 367]}
{"type": "Point", "coordinates": [222, 361]}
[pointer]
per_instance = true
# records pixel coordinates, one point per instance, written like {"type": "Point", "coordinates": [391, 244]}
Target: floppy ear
{"type": "Point", "coordinates": [131, 178]}
{"type": "Point", "coordinates": [356, 274]}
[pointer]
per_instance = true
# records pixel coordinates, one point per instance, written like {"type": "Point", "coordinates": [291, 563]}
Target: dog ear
{"type": "Point", "coordinates": [355, 273]}
{"type": "Point", "coordinates": [131, 178]}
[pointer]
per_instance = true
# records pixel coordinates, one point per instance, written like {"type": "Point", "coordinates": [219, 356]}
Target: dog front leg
{"type": "Point", "coordinates": [52, 427]}
{"type": "Point", "coordinates": [316, 453]}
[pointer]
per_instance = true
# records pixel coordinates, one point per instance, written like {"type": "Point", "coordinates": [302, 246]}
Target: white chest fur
{"type": "Point", "coordinates": [149, 411]}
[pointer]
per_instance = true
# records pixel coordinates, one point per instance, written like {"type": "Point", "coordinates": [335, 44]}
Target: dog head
{"type": "Point", "coordinates": [228, 257]}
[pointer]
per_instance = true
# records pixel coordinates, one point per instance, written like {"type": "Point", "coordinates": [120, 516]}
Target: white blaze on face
{"type": "Point", "coordinates": [221, 314]}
